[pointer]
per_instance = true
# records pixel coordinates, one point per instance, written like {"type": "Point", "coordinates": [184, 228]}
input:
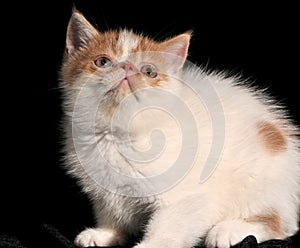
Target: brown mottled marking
{"type": "Point", "coordinates": [273, 139]}
{"type": "Point", "coordinates": [271, 221]}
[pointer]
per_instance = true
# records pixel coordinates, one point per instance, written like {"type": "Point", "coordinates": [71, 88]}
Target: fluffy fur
{"type": "Point", "coordinates": [253, 187]}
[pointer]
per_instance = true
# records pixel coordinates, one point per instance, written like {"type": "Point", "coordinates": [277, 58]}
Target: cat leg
{"type": "Point", "coordinates": [99, 237]}
{"type": "Point", "coordinates": [106, 232]}
{"type": "Point", "coordinates": [180, 225]}
{"type": "Point", "coordinates": [230, 232]}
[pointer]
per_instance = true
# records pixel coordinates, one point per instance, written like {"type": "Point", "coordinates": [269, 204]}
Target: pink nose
{"type": "Point", "coordinates": [127, 67]}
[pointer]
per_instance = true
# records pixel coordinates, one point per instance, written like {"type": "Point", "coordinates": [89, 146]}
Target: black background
{"type": "Point", "coordinates": [258, 41]}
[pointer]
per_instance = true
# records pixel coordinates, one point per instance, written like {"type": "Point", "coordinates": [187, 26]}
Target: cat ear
{"type": "Point", "coordinates": [79, 32]}
{"type": "Point", "coordinates": [178, 47]}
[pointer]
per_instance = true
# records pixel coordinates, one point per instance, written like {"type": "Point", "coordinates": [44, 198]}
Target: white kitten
{"type": "Point", "coordinates": [170, 153]}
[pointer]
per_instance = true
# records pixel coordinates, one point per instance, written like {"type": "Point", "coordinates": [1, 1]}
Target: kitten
{"type": "Point", "coordinates": [170, 153]}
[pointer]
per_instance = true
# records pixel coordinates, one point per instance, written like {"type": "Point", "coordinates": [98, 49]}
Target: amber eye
{"type": "Point", "coordinates": [103, 62]}
{"type": "Point", "coordinates": [149, 70]}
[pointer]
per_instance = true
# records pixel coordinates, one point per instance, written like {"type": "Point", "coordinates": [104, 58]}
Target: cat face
{"type": "Point", "coordinates": [119, 63]}
{"type": "Point", "coordinates": [115, 56]}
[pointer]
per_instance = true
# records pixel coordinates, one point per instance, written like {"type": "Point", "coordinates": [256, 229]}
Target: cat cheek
{"type": "Point", "coordinates": [159, 81]}
{"type": "Point", "coordinates": [155, 83]}
{"type": "Point", "coordinates": [90, 69]}
{"type": "Point", "coordinates": [145, 81]}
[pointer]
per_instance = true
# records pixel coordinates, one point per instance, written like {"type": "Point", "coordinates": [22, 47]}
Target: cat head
{"type": "Point", "coordinates": [137, 59]}
{"type": "Point", "coordinates": [119, 63]}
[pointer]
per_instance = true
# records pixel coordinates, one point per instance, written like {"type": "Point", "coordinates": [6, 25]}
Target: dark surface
{"type": "Point", "coordinates": [261, 42]}
{"type": "Point", "coordinates": [53, 238]}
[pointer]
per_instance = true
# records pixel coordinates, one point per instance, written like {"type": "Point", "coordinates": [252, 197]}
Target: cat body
{"type": "Point", "coordinates": [228, 167]}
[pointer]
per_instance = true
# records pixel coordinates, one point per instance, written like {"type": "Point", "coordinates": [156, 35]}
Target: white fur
{"type": "Point", "coordinates": [127, 41]}
{"type": "Point", "coordinates": [98, 237]}
{"type": "Point", "coordinates": [248, 181]}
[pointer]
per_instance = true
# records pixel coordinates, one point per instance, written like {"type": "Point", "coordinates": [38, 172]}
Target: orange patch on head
{"type": "Point", "coordinates": [271, 137]}
{"type": "Point", "coordinates": [82, 60]}
{"type": "Point", "coordinates": [145, 44]}
{"type": "Point", "coordinates": [160, 81]}
{"type": "Point", "coordinates": [271, 221]}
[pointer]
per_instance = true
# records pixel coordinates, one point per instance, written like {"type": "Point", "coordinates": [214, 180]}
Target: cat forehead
{"type": "Point", "coordinates": [127, 39]}
{"type": "Point", "coordinates": [125, 42]}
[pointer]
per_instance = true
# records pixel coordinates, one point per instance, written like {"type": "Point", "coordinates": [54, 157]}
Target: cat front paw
{"type": "Point", "coordinates": [231, 232]}
{"type": "Point", "coordinates": [99, 237]}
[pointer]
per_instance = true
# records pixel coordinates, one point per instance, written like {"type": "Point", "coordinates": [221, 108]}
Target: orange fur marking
{"type": "Point", "coordinates": [272, 221]}
{"type": "Point", "coordinates": [158, 82]}
{"type": "Point", "coordinates": [146, 44]}
{"type": "Point", "coordinates": [83, 59]}
{"type": "Point", "coordinates": [272, 138]}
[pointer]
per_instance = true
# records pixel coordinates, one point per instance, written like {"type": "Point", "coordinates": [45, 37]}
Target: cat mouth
{"type": "Point", "coordinates": [128, 82]}
{"type": "Point", "coordinates": [124, 82]}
